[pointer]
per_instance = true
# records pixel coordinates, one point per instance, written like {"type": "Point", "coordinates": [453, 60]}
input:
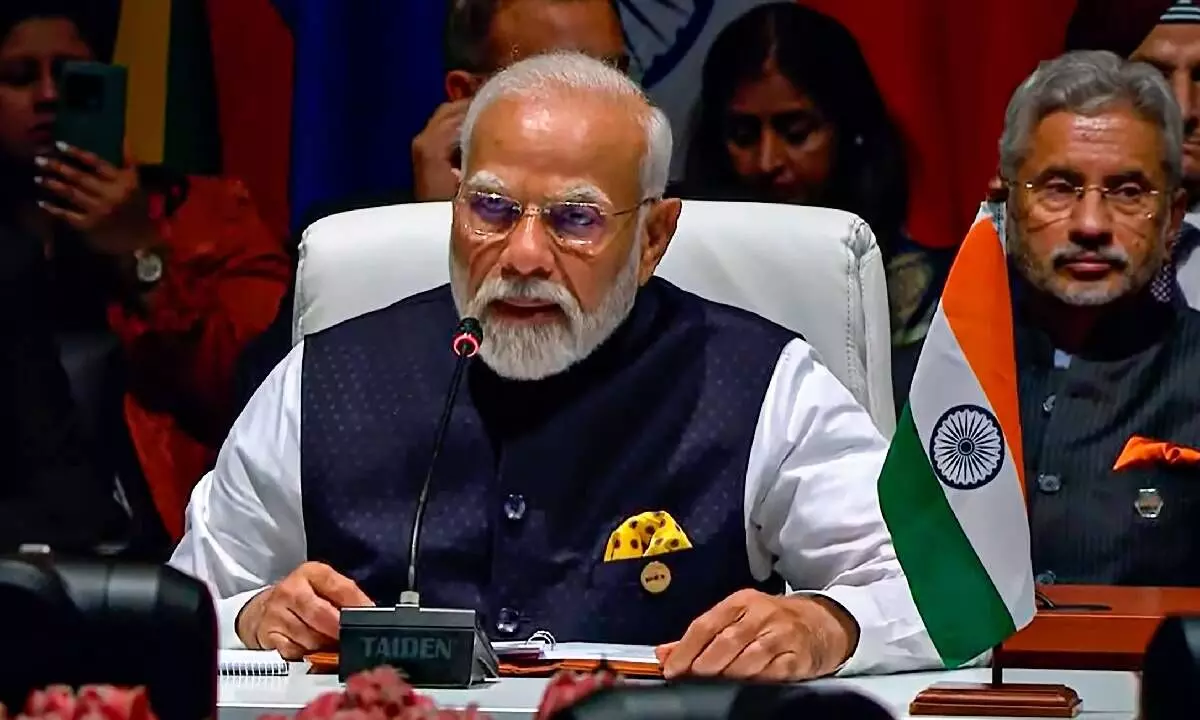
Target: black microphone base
{"type": "Point", "coordinates": [433, 647]}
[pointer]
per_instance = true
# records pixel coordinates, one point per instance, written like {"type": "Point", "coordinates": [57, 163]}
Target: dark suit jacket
{"type": "Point", "coordinates": [1090, 522]}
{"type": "Point", "coordinates": [50, 492]}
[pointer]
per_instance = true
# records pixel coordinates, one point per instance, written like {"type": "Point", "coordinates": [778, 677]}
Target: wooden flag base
{"type": "Point", "coordinates": [1003, 700]}
{"type": "Point", "coordinates": [997, 698]}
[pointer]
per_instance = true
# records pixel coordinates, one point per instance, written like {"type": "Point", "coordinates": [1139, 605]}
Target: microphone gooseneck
{"type": "Point", "coordinates": [468, 336]}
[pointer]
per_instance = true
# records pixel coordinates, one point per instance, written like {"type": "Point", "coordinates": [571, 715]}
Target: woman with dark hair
{"type": "Point", "coordinates": [789, 113]}
{"type": "Point", "coordinates": [176, 272]}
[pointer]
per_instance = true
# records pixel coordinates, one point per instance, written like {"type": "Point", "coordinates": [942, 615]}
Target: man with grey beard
{"type": "Point", "coordinates": [1091, 154]}
{"type": "Point", "coordinates": [629, 463]}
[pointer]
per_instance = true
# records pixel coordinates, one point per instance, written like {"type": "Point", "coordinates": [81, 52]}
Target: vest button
{"type": "Point", "coordinates": [507, 621]}
{"type": "Point", "coordinates": [1049, 483]}
{"type": "Point", "coordinates": [514, 507]}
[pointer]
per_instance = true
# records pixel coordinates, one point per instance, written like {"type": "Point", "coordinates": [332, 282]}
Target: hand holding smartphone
{"type": "Point", "coordinates": [91, 110]}
{"type": "Point", "coordinates": [91, 117]}
{"type": "Point", "coordinates": [85, 182]}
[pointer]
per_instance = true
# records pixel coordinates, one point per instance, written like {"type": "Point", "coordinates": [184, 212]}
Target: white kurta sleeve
{"type": "Point", "coordinates": [812, 511]}
{"type": "Point", "coordinates": [245, 521]}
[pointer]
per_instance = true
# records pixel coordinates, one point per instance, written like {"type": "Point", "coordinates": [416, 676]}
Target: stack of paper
{"type": "Point", "coordinates": [526, 649]}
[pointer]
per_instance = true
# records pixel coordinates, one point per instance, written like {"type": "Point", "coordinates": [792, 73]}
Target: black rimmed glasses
{"type": "Point", "coordinates": [578, 226]}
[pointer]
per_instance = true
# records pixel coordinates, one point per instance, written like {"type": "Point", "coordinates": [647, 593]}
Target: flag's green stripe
{"type": "Point", "coordinates": [192, 136]}
{"type": "Point", "coordinates": [962, 610]}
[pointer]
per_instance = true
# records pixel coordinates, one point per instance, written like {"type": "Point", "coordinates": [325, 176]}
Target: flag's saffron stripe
{"type": "Point", "coordinates": [979, 311]}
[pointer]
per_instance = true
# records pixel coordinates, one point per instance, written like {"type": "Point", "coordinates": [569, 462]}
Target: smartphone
{"type": "Point", "coordinates": [91, 109]}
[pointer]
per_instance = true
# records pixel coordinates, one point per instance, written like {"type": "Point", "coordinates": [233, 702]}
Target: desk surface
{"type": "Point", "coordinates": [1106, 695]}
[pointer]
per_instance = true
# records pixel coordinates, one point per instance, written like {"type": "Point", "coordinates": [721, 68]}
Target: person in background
{"type": "Point", "coordinates": [789, 113]}
{"type": "Point", "coordinates": [486, 36]}
{"type": "Point", "coordinates": [1173, 48]}
{"type": "Point", "coordinates": [181, 271]}
{"type": "Point", "coordinates": [51, 491]}
{"type": "Point", "coordinates": [482, 37]}
{"type": "Point", "coordinates": [751, 468]}
{"type": "Point", "coordinates": [1091, 156]}
{"type": "Point", "coordinates": [1166, 35]}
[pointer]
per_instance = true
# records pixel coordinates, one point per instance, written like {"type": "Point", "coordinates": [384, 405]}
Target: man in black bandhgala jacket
{"type": "Point", "coordinates": [1106, 349]}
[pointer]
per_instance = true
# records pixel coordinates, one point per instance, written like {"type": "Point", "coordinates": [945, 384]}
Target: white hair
{"type": "Point", "coordinates": [1089, 82]}
{"type": "Point", "coordinates": [542, 76]}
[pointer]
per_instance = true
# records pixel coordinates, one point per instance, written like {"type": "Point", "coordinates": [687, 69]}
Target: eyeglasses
{"type": "Point", "coordinates": [577, 226]}
{"type": "Point", "coordinates": [1129, 199]}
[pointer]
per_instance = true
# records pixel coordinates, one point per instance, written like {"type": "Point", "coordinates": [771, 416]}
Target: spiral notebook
{"type": "Point", "coordinates": [255, 663]}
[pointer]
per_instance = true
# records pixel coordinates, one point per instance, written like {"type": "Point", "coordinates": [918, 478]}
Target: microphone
{"type": "Point", "coordinates": [433, 647]}
{"type": "Point", "coordinates": [467, 339]}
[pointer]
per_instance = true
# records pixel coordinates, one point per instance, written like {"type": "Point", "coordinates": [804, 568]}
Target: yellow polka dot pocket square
{"type": "Point", "coordinates": [646, 534]}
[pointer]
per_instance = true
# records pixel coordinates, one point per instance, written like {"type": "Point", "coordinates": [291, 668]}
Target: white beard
{"type": "Point", "coordinates": [532, 351]}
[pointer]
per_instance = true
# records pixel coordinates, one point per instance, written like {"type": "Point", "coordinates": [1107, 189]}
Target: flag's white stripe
{"type": "Point", "coordinates": [993, 517]}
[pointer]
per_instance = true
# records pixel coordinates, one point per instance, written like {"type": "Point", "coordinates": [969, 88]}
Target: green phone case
{"type": "Point", "coordinates": [91, 109]}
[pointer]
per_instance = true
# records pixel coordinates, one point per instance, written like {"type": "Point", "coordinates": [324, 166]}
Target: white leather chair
{"type": "Point", "coordinates": [813, 270]}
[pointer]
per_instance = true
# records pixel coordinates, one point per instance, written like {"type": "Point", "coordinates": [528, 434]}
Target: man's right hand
{"type": "Point", "coordinates": [299, 614]}
{"type": "Point", "coordinates": [433, 152]}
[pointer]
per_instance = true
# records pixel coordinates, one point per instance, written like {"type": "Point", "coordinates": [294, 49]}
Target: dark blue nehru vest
{"type": "Point", "coordinates": [534, 476]}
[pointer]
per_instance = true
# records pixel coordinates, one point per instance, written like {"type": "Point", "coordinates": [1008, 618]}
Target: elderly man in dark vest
{"type": "Point", "coordinates": [1091, 152]}
{"type": "Point", "coordinates": [615, 423]}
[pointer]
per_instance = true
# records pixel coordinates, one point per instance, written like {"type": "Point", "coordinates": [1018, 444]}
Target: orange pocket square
{"type": "Point", "coordinates": [1140, 452]}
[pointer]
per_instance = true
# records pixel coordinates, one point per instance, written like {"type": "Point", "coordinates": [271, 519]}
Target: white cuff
{"type": "Point", "coordinates": [861, 606]}
{"type": "Point", "coordinates": [228, 610]}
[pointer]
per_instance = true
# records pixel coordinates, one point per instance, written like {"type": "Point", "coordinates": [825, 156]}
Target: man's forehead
{"type": "Point", "coordinates": [530, 27]}
{"type": "Point", "coordinates": [587, 119]}
{"type": "Point", "coordinates": [1117, 137]}
{"type": "Point", "coordinates": [1170, 43]}
{"type": "Point", "coordinates": [583, 137]}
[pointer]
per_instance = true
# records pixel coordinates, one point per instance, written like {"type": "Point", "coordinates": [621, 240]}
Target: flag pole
{"type": "Point", "coordinates": [997, 668]}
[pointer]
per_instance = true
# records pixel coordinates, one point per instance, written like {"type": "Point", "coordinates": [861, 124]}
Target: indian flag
{"type": "Point", "coordinates": [952, 487]}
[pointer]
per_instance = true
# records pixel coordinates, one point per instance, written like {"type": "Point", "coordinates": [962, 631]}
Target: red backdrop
{"type": "Point", "coordinates": [252, 54]}
{"type": "Point", "coordinates": [946, 68]}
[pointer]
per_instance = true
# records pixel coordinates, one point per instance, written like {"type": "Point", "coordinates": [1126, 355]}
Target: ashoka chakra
{"type": "Point", "coordinates": [967, 447]}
